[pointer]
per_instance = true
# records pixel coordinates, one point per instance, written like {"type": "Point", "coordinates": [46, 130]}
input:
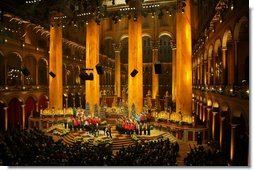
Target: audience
{"type": "Point", "coordinates": [198, 156]}
{"type": "Point", "coordinates": [34, 148]}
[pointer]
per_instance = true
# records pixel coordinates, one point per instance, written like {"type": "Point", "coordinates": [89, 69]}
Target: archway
{"type": "Point", "coordinates": [242, 36]}
{"type": "Point", "coordinates": [13, 69]}
{"type": "Point", "coordinates": [43, 72]}
{"type": "Point", "coordinates": [14, 114]}
{"type": "Point", "coordinates": [30, 108]}
{"type": "Point", "coordinates": [30, 64]}
{"type": "Point", "coordinates": [165, 57]}
{"type": "Point", "coordinates": [43, 102]}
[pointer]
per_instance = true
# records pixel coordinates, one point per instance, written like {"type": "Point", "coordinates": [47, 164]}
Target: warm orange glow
{"type": "Point", "coordinates": [92, 59]}
{"type": "Point", "coordinates": [184, 62]}
{"type": "Point", "coordinates": [55, 65]}
{"type": "Point", "coordinates": [117, 74]}
{"type": "Point", "coordinates": [135, 61]}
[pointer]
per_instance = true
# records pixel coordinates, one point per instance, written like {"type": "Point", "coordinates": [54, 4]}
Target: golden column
{"type": "Point", "coordinates": [184, 62]}
{"type": "Point", "coordinates": [155, 77]}
{"type": "Point", "coordinates": [92, 59]}
{"type": "Point", "coordinates": [135, 61]}
{"type": "Point", "coordinates": [173, 72]}
{"type": "Point", "coordinates": [55, 62]}
{"type": "Point", "coordinates": [117, 70]}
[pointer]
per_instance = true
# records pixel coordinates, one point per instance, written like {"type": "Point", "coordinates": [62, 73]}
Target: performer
{"type": "Point", "coordinates": [108, 131]}
{"type": "Point", "coordinates": [140, 129]}
{"type": "Point", "coordinates": [144, 128]}
{"type": "Point", "coordinates": [65, 123]}
{"type": "Point", "coordinates": [148, 128]}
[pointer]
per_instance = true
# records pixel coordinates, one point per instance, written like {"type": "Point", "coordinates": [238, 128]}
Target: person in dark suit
{"type": "Point", "coordinates": [108, 131]}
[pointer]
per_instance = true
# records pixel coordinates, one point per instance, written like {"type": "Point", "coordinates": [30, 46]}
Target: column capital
{"type": "Point", "coordinates": [234, 125]}
{"type": "Point", "coordinates": [223, 118]}
{"type": "Point", "coordinates": [208, 109]}
{"type": "Point", "coordinates": [215, 113]}
{"type": "Point", "coordinates": [23, 105]}
{"type": "Point", "coordinates": [5, 108]}
{"type": "Point", "coordinates": [117, 47]}
{"type": "Point", "coordinates": [224, 48]}
{"type": "Point", "coordinates": [155, 44]}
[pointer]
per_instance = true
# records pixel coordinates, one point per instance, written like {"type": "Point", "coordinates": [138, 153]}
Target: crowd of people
{"type": "Point", "coordinates": [161, 153]}
{"type": "Point", "coordinates": [127, 126]}
{"type": "Point", "coordinates": [34, 148]}
{"type": "Point", "coordinates": [199, 156]}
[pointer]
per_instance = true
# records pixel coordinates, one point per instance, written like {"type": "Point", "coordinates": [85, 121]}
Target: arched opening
{"type": "Point", "coordinates": [107, 48]}
{"type": "Point", "coordinates": [30, 108]}
{"type": "Point", "coordinates": [165, 57]}
{"type": "Point", "coordinates": [147, 69]}
{"type": "Point", "coordinates": [242, 50]}
{"type": "Point", "coordinates": [76, 75]}
{"type": "Point", "coordinates": [43, 102]}
{"type": "Point", "coordinates": [30, 64]}
{"type": "Point", "coordinates": [77, 101]}
{"type": "Point", "coordinates": [70, 100]}
{"type": "Point", "coordinates": [124, 61]}
{"type": "Point", "coordinates": [13, 69]}
{"type": "Point", "coordinates": [69, 73]}
{"type": "Point", "coordinates": [43, 72]}
{"type": "Point", "coordinates": [229, 58]}
{"type": "Point", "coordinates": [14, 114]}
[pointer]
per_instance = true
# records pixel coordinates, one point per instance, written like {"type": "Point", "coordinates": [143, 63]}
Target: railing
{"type": "Point", "coordinates": [232, 91]}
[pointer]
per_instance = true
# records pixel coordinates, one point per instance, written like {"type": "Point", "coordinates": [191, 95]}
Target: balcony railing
{"type": "Point", "coordinates": [232, 91]}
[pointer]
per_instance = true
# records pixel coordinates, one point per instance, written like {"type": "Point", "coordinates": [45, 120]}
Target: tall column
{"type": "Point", "coordinates": [55, 63]}
{"type": "Point", "coordinates": [224, 64]}
{"type": "Point", "coordinates": [92, 59]}
{"type": "Point", "coordinates": [37, 107]}
{"type": "Point", "coordinates": [205, 72]}
{"type": "Point", "coordinates": [155, 77]}
{"type": "Point", "coordinates": [209, 72]}
{"type": "Point", "coordinates": [135, 61]}
{"type": "Point", "coordinates": [200, 111]}
{"type": "Point", "coordinates": [213, 126]}
{"type": "Point", "coordinates": [23, 116]}
{"type": "Point", "coordinates": [232, 142]}
{"type": "Point", "coordinates": [5, 118]}
{"type": "Point", "coordinates": [174, 72]}
{"type": "Point", "coordinates": [197, 107]}
{"type": "Point", "coordinates": [184, 61]}
{"type": "Point", "coordinates": [221, 131]}
{"type": "Point", "coordinates": [117, 70]}
{"type": "Point", "coordinates": [204, 113]}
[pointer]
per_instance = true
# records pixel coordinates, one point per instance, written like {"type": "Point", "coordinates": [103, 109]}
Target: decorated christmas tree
{"type": "Point", "coordinates": [133, 112]}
